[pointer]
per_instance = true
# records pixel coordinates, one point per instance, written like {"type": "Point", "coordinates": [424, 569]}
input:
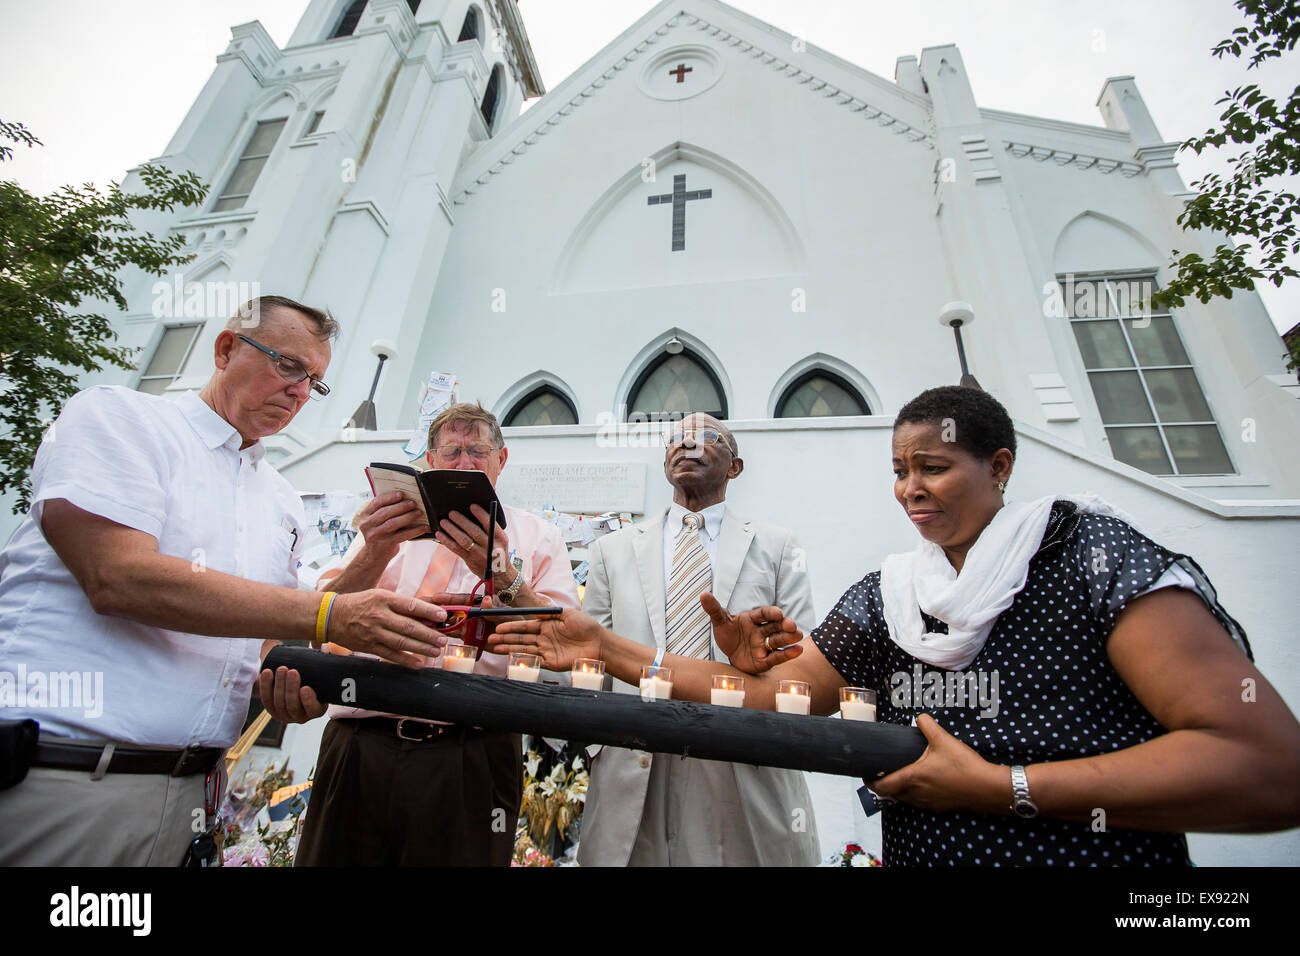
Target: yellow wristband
{"type": "Point", "coordinates": [322, 617]}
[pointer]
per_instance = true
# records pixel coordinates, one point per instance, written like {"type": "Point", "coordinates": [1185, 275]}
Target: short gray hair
{"type": "Point", "coordinates": [466, 414]}
{"type": "Point", "coordinates": [327, 327]}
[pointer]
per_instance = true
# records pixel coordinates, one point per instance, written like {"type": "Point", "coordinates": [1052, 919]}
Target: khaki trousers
{"type": "Point", "coordinates": [64, 818]}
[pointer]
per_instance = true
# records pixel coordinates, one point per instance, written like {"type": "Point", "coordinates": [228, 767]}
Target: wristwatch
{"type": "Point", "coordinates": [1022, 805]}
{"type": "Point", "coordinates": [509, 594]}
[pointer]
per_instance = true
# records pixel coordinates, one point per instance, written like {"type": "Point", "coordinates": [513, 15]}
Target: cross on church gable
{"type": "Point", "coordinates": [681, 71]}
{"type": "Point", "coordinates": [679, 197]}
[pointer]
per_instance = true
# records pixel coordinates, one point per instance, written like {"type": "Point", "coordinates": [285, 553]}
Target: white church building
{"type": "Point", "coordinates": [711, 214]}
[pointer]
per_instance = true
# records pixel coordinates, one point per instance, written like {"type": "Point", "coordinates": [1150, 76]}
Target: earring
{"type": "Point", "coordinates": [1002, 486]}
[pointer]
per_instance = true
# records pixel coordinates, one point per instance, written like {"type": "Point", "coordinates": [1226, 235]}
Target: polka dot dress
{"type": "Point", "coordinates": [1041, 689]}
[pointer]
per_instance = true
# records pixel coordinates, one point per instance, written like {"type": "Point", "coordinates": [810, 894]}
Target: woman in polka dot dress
{"type": "Point", "coordinates": [1079, 686]}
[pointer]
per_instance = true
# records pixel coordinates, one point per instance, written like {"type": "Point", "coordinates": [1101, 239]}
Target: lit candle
{"type": "Point", "coordinates": [588, 674]}
{"type": "Point", "coordinates": [792, 697]}
{"type": "Point", "coordinates": [524, 667]}
{"type": "Point", "coordinates": [459, 658]}
{"type": "Point", "coordinates": [857, 703]}
{"type": "Point", "coordinates": [656, 683]}
{"type": "Point", "coordinates": [727, 691]}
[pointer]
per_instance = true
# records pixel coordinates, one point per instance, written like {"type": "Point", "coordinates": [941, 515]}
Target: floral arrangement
{"type": "Point", "coordinates": [246, 840]}
{"type": "Point", "coordinates": [529, 855]}
{"type": "Point", "coordinates": [852, 855]}
{"type": "Point", "coordinates": [552, 806]}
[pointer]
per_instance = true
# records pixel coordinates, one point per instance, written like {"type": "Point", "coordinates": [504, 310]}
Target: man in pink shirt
{"type": "Point", "coordinates": [394, 791]}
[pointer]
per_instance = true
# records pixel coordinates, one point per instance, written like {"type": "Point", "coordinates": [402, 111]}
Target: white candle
{"type": "Point", "coordinates": [727, 698]}
{"type": "Point", "coordinates": [588, 680]}
{"type": "Point", "coordinates": [653, 688]}
{"type": "Point", "coordinates": [793, 704]}
{"type": "Point", "coordinates": [857, 710]}
{"type": "Point", "coordinates": [461, 665]}
{"type": "Point", "coordinates": [524, 673]}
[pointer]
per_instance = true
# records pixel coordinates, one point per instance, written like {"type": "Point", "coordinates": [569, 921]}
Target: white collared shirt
{"type": "Point", "coordinates": [708, 533]}
{"type": "Point", "coordinates": [174, 470]}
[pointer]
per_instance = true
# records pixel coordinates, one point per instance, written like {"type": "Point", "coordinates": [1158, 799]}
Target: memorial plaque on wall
{"type": "Point", "coordinates": [575, 488]}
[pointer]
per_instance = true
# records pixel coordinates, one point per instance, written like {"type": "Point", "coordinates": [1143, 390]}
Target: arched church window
{"type": "Point", "coordinates": [351, 16]}
{"type": "Point", "coordinates": [244, 176]}
{"type": "Point", "coordinates": [677, 385]}
{"type": "Point", "coordinates": [542, 406]}
{"type": "Point", "coordinates": [819, 392]}
{"type": "Point", "coordinates": [492, 97]}
{"type": "Point", "coordinates": [469, 29]}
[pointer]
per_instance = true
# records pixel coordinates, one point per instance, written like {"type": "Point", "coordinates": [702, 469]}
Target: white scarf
{"type": "Point", "coordinates": [994, 571]}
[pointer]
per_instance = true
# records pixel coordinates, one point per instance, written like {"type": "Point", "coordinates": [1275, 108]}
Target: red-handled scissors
{"type": "Point", "coordinates": [459, 614]}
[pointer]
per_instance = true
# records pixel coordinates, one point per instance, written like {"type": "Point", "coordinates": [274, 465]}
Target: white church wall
{"type": "Point", "coordinates": [816, 180]}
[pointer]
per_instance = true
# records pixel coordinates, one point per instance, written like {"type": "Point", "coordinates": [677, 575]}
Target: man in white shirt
{"type": "Point", "coordinates": [659, 809]}
{"type": "Point", "coordinates": [159, 553]}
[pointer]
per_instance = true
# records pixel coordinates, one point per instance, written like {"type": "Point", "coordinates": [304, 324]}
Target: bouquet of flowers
{"type": "Point", "coordinates": [852, 855]}
{"type": "Point", "coordinates": [247, 840]}
{"type": "Point", "coordinates": [552, 805]}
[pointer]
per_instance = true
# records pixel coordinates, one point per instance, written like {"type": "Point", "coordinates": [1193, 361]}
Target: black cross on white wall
{"type": "Point", "coordinates": [679, 197]}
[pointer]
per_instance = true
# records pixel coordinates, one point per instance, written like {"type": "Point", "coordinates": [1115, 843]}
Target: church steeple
{"type": "Point", "coordinates": [331, 162]}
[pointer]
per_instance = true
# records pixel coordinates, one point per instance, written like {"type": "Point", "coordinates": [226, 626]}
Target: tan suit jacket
{"type": "Point", "coordinates": [756, 565]}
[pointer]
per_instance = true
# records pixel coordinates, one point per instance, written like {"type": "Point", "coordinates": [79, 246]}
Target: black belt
{"type": "Point", "coordinates": [408, 728]}
{"type": "Point", "coordinates": [86, 756]}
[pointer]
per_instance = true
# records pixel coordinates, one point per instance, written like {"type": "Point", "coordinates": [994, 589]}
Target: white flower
{"type": "Point", "coordinates": [532, 763]}
{"type": "Point", "coordinates": [577, 764]}
{"type": "Point", "coordinates": [860, 860]}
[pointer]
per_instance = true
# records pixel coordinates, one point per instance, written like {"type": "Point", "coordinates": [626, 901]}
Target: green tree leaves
{"type": "Point", "coordinates": [1260, 218]}
{"type": "Point", "coordinates": [61, 261]}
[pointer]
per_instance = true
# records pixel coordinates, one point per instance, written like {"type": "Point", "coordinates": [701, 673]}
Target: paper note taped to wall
{"type": "Point", "coordinates": [435, 395]}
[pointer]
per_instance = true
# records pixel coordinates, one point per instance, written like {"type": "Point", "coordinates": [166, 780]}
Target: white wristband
{"type": "Point", "coordinates": [659, 658]}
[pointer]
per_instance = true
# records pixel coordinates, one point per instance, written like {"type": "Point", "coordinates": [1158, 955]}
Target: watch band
{"type": "Point", "coordinates": [509, 594]}
{"type": "Point", "coordinates": [1022, 805]}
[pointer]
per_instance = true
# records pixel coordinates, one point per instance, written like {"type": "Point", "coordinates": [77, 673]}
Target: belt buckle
{"type": "Point", "coordinates": [418, 740]}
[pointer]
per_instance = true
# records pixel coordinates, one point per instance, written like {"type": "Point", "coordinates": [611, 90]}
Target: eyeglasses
{"type": "Point", "coordinates": [699, 436]}
{"type": "Point", "coordinates": [290, 370]}
{"type": "Point", "coordinates": [452, 452]}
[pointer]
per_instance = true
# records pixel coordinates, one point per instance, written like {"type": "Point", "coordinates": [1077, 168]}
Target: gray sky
{"type": "Point", "coordinates": [105, 84]}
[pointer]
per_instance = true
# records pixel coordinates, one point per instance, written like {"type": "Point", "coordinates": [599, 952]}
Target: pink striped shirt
{"type": "Point", "coordinates": [423, 568]}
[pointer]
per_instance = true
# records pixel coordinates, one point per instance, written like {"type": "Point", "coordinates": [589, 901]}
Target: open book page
{"type": "Point", "coordinates": [384, 480]}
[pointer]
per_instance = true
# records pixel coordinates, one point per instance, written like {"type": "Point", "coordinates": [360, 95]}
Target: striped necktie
{"type": "Point", "coordinates": [689, 629]}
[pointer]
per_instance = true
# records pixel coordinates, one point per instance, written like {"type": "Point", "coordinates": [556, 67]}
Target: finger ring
{"type": "Point", "coordinates": [767, 642]}
{"type": "Point", "coordinates": [470, 546]}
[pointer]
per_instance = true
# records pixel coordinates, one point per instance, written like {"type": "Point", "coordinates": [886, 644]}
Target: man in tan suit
{"type": "Point", "coordinates": [660, 809]}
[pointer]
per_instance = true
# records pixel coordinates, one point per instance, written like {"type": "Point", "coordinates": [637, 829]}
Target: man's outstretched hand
{"type": "Point", "coordinates": [558, 641]}
{"type": "Point", "coordinates": [755, 641]}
